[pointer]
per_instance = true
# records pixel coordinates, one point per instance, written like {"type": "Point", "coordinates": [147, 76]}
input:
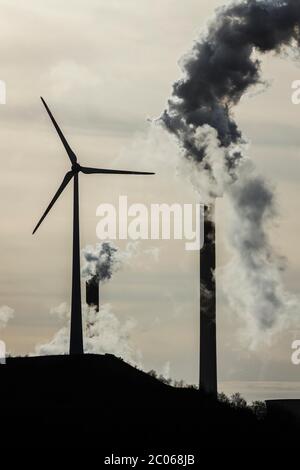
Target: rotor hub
{"type": "Point", "coordinates": [76, 167]}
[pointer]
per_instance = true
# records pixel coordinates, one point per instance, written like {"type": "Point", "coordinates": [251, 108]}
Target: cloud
{"type": "Point", "coordinates": [6, 314]}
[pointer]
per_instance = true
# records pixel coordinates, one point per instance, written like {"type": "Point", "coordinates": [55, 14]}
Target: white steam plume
{"type": "Point", "coordinates": [103, 333]}
{"type": "Point", "coordinates": [6, 314]}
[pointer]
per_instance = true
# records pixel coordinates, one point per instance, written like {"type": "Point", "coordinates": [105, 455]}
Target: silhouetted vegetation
{"type": "Point", "coordinates": [169, 381]}
{"type": "Point", "coordinates": [238, 402]}
{"type": "Point", "coordinates": [235, 401]}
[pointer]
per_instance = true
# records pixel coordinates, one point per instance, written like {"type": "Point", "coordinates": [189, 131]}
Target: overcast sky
{"type": "Point", "coordinates": [105, 67]}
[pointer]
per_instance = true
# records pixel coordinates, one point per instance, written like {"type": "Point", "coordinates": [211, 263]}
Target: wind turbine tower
{"type": "Point", "coordinates": [76, 337]}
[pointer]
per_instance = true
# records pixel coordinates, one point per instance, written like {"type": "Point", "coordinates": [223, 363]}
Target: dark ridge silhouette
{"type": "Point", "coordinates": [76, 339]}
{"type": "Point", "coordinates": [104, 403]}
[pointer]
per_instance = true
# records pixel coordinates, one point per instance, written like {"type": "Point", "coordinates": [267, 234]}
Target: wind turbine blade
{"type": "Point", "coordinates": [88, 170]}
{"type": "Point", "coordinates": [65, 182]}
{"type": "Point", "coordinates": [69, 151]}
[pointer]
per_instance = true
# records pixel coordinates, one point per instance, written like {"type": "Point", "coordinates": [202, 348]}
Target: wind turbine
{"type": "Point", "coordinates": [76, 339]}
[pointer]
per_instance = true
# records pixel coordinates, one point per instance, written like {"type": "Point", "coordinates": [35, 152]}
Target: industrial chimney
{"type": "Point", "coordinates": [208, 345]}
{"type": "Point", "coordinates": [92, 292]}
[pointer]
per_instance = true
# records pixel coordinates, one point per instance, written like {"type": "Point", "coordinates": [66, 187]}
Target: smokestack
{"type": "Point", "coordinates": [208, 344]}
{"type": "Point", "coordinates": [92, 292]}
{"type": "Point", "coordinates": [100, 263]}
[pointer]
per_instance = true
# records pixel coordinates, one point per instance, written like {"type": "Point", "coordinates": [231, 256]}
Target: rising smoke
{"type": "Point", "coordinates": [100, 262]}
{"type": "Point", "coordinates": [104, 333]}
{"type": "Point", "coordinates": [221, 67]}
{"type": "Point", "coordinates": [6, 314]}
{"type": "Point", "coordinates": [104, 259]}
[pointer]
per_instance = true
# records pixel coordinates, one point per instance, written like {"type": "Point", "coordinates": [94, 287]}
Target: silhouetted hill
{"type": "Point", "coordinates": [101, 401]}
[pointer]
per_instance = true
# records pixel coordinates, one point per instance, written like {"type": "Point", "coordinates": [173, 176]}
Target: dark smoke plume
{"type": "Point", "coordinates": [100, 262]}
{"type": "Point", "coordinates": [104, 259]}
{"type": "Point", "coordinates": [221, 67]}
